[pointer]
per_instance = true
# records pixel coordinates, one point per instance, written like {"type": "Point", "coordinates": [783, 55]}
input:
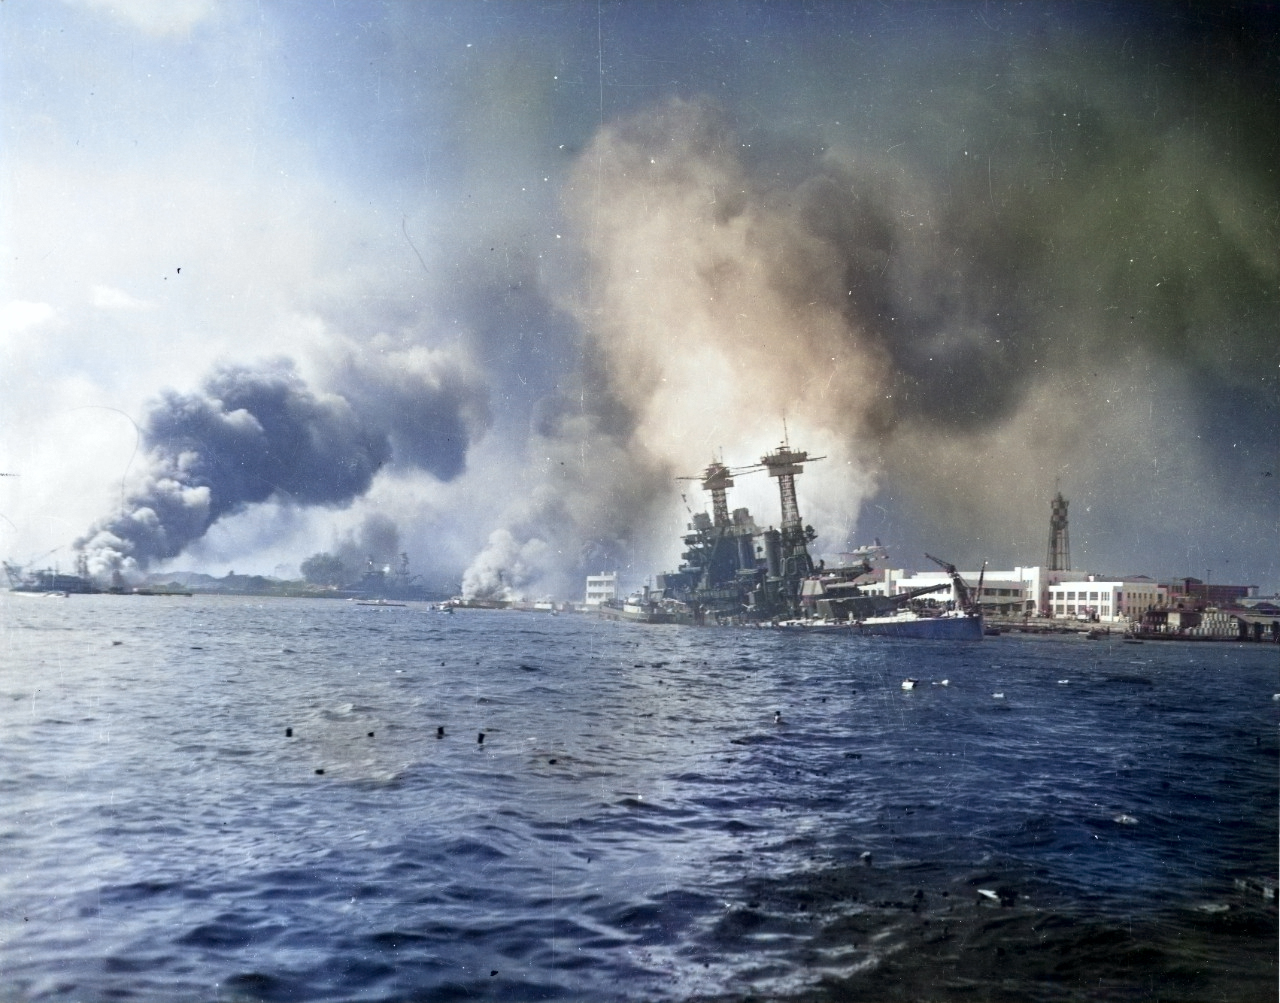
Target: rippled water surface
{"type": "Point", "coordinates": [634, 825]}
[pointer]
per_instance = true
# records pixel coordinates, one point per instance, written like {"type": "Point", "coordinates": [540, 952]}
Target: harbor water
{"type": "Point", "coordinates": [232, 798]}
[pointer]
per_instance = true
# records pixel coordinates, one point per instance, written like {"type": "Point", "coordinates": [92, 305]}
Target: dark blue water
{"type": "Point", "coordinates": [634, 825]}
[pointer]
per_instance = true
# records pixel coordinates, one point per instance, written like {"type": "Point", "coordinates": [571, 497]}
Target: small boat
{"type": "Point", "coordinates": [811, 625]}
{"type": "Point", "coordinates": [909, 684]}
{"type": "Point", "coordinates": [645, 607]}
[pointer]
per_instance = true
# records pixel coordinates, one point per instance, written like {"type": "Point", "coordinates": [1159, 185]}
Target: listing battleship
{"type": "Point", "coordinates": [736, 572]}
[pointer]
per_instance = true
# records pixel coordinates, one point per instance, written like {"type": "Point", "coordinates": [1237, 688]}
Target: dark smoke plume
{"type": "Point", "coordinates": [374, 544]}
{"type": "Point", "coordinates": [376, 539]}
{"type": "Point", "coordinates": [429, 404]}
{"type": "Point", "coordinates": [252, 435]}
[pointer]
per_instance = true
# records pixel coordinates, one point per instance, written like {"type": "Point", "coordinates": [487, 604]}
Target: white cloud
{"type": "Point", "coordinates": [155, 17]}
{"type": "Point", "coordinates": [17, 316]}
{"type": "Point", "coordinates": [109, 298]}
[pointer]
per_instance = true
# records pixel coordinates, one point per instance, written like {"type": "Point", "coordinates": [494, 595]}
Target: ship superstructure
{"type": "Point", "coordinates": [387, 582]}
{"type": "Point", "coordinates": [735, 571]}
{"type": "Point", "coordinates": [732, 568]}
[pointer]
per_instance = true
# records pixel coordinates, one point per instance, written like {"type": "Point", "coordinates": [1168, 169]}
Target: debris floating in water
{"type": "Point", "coordinates": [288, 733]}
{"type": "Point", "coordinates": [1266, 887]}
{"type": "Point", "coordinates": [1124, 819]}
{"type": "Point", "coordinates": [997, 696]}
{"type": "Point", "coordinates": [480, 739]}
{"type": "Point", "coordinates": [440, 732]}
{"type": "Point", "coordinates": [908, 684]}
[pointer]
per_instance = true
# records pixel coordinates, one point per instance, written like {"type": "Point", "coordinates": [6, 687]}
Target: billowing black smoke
{"type": "Point", "coordinates": [256, 434]}
{"type": "Point", "coordinates": [430, 406]}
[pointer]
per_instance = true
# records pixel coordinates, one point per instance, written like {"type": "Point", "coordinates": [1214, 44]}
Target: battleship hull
{"type": "Point", "coordinates": [964, 627]}
{"type": "Point", "coordinates": [948, 627]}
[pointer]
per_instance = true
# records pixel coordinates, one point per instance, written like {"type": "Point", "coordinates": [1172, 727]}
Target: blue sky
{"type": "Point", "coordinates": [551, 256]}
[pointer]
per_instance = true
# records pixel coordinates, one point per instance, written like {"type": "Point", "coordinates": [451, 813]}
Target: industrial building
{"type": "Point", "coordinates": [1192, 593]}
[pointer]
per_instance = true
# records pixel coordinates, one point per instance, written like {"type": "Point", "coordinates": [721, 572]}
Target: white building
{"type": "Point", "coordinates": [601, 587]}
{"type": "Point", "coordinates": [1009, 593]}
{"type": "Point", "coordinates": [1109, 601]}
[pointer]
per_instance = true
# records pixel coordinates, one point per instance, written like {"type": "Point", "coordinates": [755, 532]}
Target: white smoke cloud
{"type": "Point", "coordinates": [711, 316]}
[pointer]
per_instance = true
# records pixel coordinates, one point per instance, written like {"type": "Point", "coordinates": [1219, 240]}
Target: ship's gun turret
{"type": "Point", "coordinates": [845, 601]}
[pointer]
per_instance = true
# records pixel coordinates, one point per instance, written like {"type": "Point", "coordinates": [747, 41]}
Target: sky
{"type": "Point", "coordinates": [480, 281]}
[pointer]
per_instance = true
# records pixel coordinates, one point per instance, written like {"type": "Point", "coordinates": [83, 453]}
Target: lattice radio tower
{"type": "Point", "coordinates": [1059, 556]}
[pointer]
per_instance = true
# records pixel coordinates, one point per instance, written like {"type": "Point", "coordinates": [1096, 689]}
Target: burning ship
{"type": "Point", "coordinates": [49, 581]}
{"type": "Point", "coordinates": [387, 583]}
{"type": "Point", "coordinates": [735, 572]}
{"type": "Point", "coordinates": [733, 569]}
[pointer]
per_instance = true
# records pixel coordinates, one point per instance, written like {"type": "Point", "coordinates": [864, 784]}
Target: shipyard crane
{"type": "Point", "coordinates": [47, 553]}
{"type": "Point", "coordinates": [964, 596]}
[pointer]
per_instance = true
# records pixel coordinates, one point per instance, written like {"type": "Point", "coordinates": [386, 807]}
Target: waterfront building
{"type": "Point", "coordinates": [1106, 601]}
{"type": "Point", "coordinates": [601, 588]}
{"type": "Point", "coordinates": [1192, 593]}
